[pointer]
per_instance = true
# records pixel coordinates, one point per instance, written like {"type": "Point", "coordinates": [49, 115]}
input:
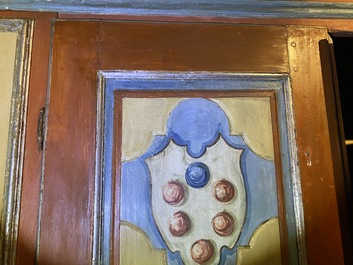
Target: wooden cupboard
{"type": "Point", "coordinates": [57, 222]}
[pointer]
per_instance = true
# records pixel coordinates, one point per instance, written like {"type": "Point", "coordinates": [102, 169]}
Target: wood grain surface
{"type": "Point", "coordinates": [66, 220]}
{"type": "Point", "coordinates": [196, 46]}
{"type": "Point", "coordinates": [323, 233]}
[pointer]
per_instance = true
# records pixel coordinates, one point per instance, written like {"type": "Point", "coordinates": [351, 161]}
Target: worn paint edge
{"type": "Point", "coordinates": [99, 172]}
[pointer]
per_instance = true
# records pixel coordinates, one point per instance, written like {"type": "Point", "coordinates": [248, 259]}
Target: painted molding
{"type": "Point", "coordinates": [207, 8]}
{"type": "Point", "coordinates": [16, 140]}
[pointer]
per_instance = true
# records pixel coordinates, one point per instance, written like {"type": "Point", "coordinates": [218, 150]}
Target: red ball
{"type": "Point", "coordinates": [202, 251]}
{"type": "Point", "coordinates": [179, 224]}
{"type": "Point", "coordinates": [223, 191]}
{"type": "Point", "coordinates": [223, 224]}
{"type": "Point", "coordinates": [173, 192]}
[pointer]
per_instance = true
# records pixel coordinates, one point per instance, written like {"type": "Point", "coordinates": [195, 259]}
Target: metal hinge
{"type": "Point", "coordinates": [41, 129]}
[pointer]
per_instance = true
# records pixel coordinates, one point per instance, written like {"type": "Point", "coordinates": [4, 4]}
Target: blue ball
{"type": "Point", "coordinates": [197, 175]}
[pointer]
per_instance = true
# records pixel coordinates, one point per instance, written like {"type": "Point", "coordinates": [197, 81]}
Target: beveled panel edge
{"type": "Point", "coordinates": [191, 80]}
{"type": "Point", "coordinates": [15, 146]}
{"type": "Point", "coordinates": [99, 173]}
{"type": "Point", "coordinates": [120, 80]}
{"type": "Point", "coordinates": [285, 107]}
{"type": "Point", "coordinates": [225, 8]}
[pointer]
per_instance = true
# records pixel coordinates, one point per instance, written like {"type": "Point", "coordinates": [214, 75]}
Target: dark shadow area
{"type": "Point", "coordinates": [343, 48]}
{"type": "Point", "coordinates": [332, 76]}
{"type": "Point", "coordinates": [342, 72]}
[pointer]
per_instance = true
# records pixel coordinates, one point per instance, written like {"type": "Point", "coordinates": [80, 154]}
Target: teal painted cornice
{"type": "Point", "coordinates": [225, 8]}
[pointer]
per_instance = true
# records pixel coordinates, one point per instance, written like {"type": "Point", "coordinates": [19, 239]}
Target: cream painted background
{"type": "Point", "coordinates": [249, 117]}
{"type": "Point", "coordinates": [7, 62]}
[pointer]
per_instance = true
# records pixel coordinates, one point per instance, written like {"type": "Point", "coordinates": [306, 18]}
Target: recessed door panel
{"type": "Point", "coordinates": [196, 168]}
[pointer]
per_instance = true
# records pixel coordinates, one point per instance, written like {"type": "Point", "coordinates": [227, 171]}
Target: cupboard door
{"type": "Point", "coordinates": [185, 96]}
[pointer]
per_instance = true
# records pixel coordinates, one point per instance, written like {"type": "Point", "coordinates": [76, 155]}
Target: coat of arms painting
{"type": "Point", "coordinates": [198, 182]}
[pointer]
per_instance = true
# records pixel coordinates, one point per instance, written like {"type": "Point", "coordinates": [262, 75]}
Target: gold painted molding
{"type": "Point", "coordinates": [19, 32]}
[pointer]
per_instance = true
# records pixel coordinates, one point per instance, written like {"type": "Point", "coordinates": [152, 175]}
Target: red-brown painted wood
{"type": "Point", "coordinates": [66, 220]}
{"type": "Point", "coordinates": [182, 46]}
{"type": "Point", "coordinates": [323, 232]}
